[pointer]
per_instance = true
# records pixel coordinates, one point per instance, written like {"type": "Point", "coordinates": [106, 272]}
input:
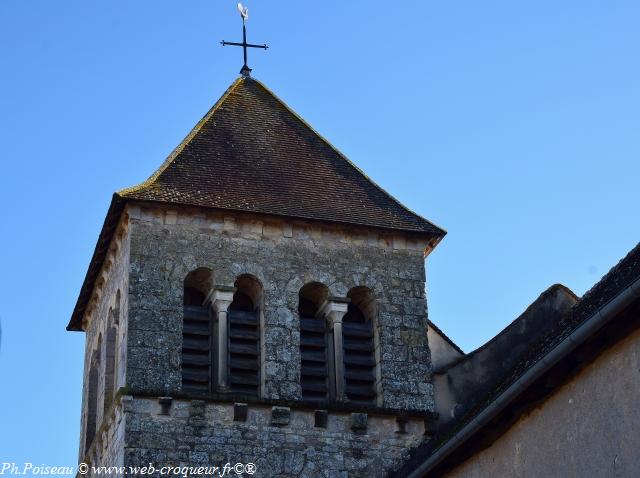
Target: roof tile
{"type": "Point", "coordinates": [252, 153]}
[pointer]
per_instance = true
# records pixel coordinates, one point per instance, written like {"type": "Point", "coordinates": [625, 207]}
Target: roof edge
{"type": "Point", "coordinates": [178, 149]}
{"type": "Point", "coordinates": [116, 207]}
{"type": "Point", "coordinates": [531, 307]}
{"type": "Point", "coordinates": [445, 337]}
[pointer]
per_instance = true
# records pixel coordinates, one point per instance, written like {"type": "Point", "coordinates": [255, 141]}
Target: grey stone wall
{"type": "Point", "coordinates": [110, 297]}
{"type": "Point", "coordinates": [108, 447]}
{"type": "Point", "coordinates": [198, 433]}
{"type": "Point", "coordinates": [167, 245]}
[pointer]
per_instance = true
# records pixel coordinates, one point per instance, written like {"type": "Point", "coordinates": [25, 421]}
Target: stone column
{"type": "Point", "coordinates": [333, 311]}
{"type": "Point", "coordinates": [220, 298]}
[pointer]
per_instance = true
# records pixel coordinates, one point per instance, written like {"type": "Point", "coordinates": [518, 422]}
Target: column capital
{"type": "Point", "coordinates": [220, 297]}
{"type": "Point", "coordinates": [334, 308]}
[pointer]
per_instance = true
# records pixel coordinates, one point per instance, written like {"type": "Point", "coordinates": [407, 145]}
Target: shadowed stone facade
{"type": "Point", "coordinates": [108, 307]}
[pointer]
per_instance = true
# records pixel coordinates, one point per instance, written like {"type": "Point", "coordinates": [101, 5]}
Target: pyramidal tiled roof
{"type": "Point", "coordinates": [252, 153]}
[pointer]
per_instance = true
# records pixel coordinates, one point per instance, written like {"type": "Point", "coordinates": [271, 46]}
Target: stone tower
{"type": "Point", "coordinates": [257, 300]}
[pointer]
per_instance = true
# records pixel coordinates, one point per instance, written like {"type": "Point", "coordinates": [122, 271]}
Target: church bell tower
{"type": "Point", "coordinates": [257, 300]}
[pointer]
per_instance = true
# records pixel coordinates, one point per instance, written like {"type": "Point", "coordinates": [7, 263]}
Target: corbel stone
{"type": "Point", "coordinates": [127, 403]}
{"type": "Point", "coordinates": [401, 421]}
{"type": "Point", "coordinates": [240, 412]}
{"type": "Point", "coordinates": [220, 299]}
{"type": "Point", "coordinates": [321, 418]}
{"type": "Point", "coordinates": [165, 405]}
{"type": "Point", "coordinates": [333, 310]}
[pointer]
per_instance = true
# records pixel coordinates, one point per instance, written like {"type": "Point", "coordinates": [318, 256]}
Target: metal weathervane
{"type": "Point", "coordinates": [244, 13]}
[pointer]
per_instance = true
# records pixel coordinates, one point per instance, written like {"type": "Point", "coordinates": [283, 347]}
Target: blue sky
{"type": "Point", "coordinates": [513, 125]}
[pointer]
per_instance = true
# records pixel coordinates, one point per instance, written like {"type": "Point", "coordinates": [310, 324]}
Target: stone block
{"type": "Point", "coordinates": [170, 218]}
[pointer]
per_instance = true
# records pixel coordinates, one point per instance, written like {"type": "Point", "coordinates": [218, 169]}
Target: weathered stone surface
{"type": "Point", "coordinates": [162, 254]}
{"type": "Point", "coordinates": [293, 450]}
{"type": "Point", "coordinates": [108, 307]}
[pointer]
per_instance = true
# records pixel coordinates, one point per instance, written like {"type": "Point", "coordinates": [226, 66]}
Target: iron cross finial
{"type": "Point", "coordinates": [244, 14]}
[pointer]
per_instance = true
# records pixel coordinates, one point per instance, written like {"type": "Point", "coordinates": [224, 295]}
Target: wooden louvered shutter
{"type": "Point", "coordinates": [313, 353]}
{"type": "Point", "coordinates": [244, 352]}
{"type": "Point", "coordinates": [359, 356]}
{"type": "Point", "coordinates": [196, 349]}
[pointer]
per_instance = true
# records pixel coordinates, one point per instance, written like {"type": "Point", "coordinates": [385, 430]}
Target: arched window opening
{"type": "Point", "coordinates": [110, 363]}
{"type": "Point", "coordinates": [244, 336]}
{"type": "Point", "coordinates": [197, 357]}
{"type": "Point", "coordinates": [91, 421]}
{"type": "Point", "coordinates": [314, 343]}
{"type": "Point", "coordinates": [359, 346]}
{"type": "Point", "coordinates": [119, 366]}
{"type": "Point", "coordinates": [193, 297]}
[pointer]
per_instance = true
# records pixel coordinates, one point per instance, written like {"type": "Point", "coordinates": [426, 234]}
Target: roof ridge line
{"type": "Point", "coordinates": [345, 158]}
{"type": "Point", "coordinates": [187, 139]}
{"type": "Point", "coordinates": [445, 337]}
{"type": "Point", "coordinates": [543, 295]}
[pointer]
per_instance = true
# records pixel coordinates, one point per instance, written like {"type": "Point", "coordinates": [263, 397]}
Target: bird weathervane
{"type": "Point", "coordinates": [244, 14]}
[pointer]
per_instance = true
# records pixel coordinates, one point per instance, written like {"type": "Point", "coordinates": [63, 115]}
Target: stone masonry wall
{"type": "Point", "coordinates": [198, 433]}
{"type": "Point", "coordinates": [108, 447]}
{"type": "Point", "coordinates": [112, 284]}
{"type": "Point", "coordinates": [167, 244]}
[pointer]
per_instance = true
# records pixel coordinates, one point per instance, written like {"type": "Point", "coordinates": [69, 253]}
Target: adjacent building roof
{"type": "Point", "coordinates": [475, 429]}
{"type": "Point", "coordinates": [251, 153]}
{"type": "Point", "coordinates": [445, 337]}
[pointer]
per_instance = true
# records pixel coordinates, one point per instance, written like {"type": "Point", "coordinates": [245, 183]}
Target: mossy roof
{"type": "Point", "coordinates": [252, 153]}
